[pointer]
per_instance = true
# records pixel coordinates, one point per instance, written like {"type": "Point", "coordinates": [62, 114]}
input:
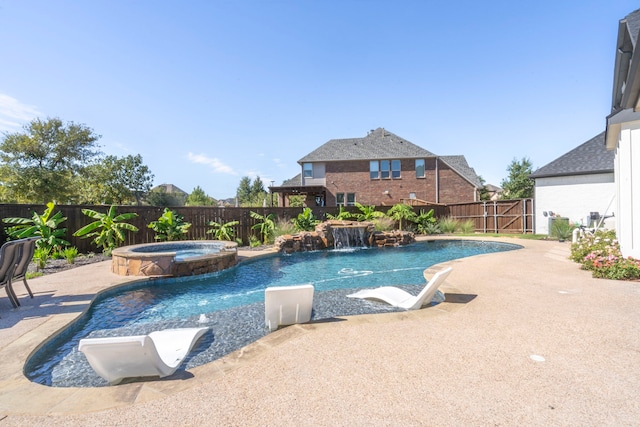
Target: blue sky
{"type": "Point", "coordinates": [211, 91]}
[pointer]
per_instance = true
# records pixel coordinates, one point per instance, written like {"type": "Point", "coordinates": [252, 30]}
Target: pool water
{"type": "Point", "coordinates": [183, 250]}
{"type": "Point", "coordinates": [232, 300]}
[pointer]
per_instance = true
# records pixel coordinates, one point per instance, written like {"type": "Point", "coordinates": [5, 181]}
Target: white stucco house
{"type": "Point", "coordinates": [623, 134]}
{"type": "Point", "coordinates": [575, 185]}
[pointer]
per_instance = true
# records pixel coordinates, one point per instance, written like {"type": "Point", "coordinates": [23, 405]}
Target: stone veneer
{"type": "Point", "coordinates": [322, 237]}
{"type": "Point", "coordinates": [126, 261]}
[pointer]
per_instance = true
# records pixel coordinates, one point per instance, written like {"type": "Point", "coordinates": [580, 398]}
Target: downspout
{"type": "Point", "coordinates": [437, 182]}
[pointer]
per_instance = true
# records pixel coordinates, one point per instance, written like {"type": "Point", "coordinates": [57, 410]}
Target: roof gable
{"type": "Point", "coordinates": [378, 144]}
{"type": "Point", "coordinates": [460, 165]}
{"type": "Point", "coordinates": [588, 158]}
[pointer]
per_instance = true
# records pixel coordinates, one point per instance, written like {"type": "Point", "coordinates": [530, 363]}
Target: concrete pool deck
{"type": "Point", "coordinates": [467, 361]}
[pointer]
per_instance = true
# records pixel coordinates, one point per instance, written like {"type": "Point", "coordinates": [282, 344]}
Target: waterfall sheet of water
{"type": "Point", "coordinates": [348, 237]}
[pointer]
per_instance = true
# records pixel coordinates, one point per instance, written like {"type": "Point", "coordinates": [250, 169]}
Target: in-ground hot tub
{"type": "Point", "coordinates": [183, 258]}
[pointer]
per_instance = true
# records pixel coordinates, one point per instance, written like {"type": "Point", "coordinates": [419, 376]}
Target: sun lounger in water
{"type": "Point", "coordinates": [158, 354]}
{"type": "Point", "coordinates": [286, 305]}
{"type": "Point", "coordinates": [402, 299]}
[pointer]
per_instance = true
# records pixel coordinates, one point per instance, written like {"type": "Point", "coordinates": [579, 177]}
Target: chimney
{"type": "Point", "coordinates": [383, 132]}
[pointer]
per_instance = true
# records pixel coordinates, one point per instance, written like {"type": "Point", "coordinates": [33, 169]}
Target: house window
{"type": "Point", "coordinates": [420, 168]}
{"type": "Point", "coordinates": [395, 169]}
{"type": "Point", "coordinates": [384, 169]}
{"type": "Point", "coordinates": [351, 199]}
{"type": "Point", "coordinates": [307, 170]}
{"type": "Point", "coordinates": [374, 169]}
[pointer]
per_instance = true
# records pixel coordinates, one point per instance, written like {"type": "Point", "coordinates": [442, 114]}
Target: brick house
{"type": "Point", "coordinates": [379, 169]}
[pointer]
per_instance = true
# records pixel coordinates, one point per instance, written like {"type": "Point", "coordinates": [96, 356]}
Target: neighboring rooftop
{"type": "Point", "coordinates": [170, 188]}
{"type": "Point", "coordinates": [589, 158]}
{"type": "Point", "coordinates": [460, 165]}
{"type": "Point", "coordinates": [378, 144]}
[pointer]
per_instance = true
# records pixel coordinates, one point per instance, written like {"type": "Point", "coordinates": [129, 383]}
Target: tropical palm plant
{"type": "Point", "coordinates": [266, 226]}
{"type": "Point", "coordinates": [341, 215]}
{"type": "Point", "coordinates": [224, 231]}
{"type": "Point", "coordinates": [305, 221]}
{"type": "Point", "coordinates": [424, 221]}
{"type": "Point", "coordinates": [367, 213]}
{"type": "Point", "coordinates": [400, 212]}
{"type": "Point", "coordinates": [44, 226]}
{"type": "Point", "coordinates": [170, 226]}
{"type": "Point", "coordinates": [108, 228]}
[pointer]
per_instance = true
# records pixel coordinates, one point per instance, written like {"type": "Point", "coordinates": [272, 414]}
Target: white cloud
{"type": "Point", "coordinates": [14, 114]}
{"type": "Point", "coordinates": [212, 162]}
{"type": "Point", "coordinates": [278, 162]}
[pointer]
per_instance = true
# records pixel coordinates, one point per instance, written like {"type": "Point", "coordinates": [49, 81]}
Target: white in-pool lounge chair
{"type": "Point", "coordinates": [286, 305]}
{"type": "Point", "coordinates": [158, 354]}
{"type": "Point", "coordinates": [402, 299]}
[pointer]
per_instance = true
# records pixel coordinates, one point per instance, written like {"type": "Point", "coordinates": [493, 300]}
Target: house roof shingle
{"type": "Point", "coordinates": [379, 144]}
{"type": "Point", "coordinates": [460, 165]}
{"type": "Point", "coordinates": [588, 158]}
{"type": "Point", "coordinates": [632, 21]}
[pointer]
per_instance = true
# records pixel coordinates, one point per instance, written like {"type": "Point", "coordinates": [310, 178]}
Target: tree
{"type": "Point", "coordinates": [257, 187]}
{"type": "Point", "coordinates": [199, 198]}
{"type": "Point", "coordinates": [131, 174]}
{"type": "Point", "coordinates": [158, 197]}
{"type": "Point", "coordinates": [41, 163]}
{"type": "Point", "coordinates": [243, 193]}
{"type": "Point", "coordinates": [251, 193]}
{"type": "Point", "coordinates": [518, 185]}
{"type": "Point", "coordinates": [483, 192]}
{"type": "Point", "coordinates": [115, 180]}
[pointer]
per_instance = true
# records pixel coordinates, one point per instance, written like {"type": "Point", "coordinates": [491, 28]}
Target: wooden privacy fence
{"type": "Point", "coordinates": [201, 216]}
{"type": "Point", "coordinates": [499, 216]}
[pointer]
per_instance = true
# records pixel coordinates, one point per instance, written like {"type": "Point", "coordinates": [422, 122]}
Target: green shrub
{"type": "Point", "coordinates": [70, 254]}
{"type": "Point", "coordinates": [383, 224]}
{"type": "Point", "coordinates": [561, 229]}
{"type": "Point", "coordinates": [432, 229]}
{"type": "Point", "coordinates": [41, 256]}
{"type": "Point", "coordinates": [254, 241]}
{"type": "Point", "coordinates": [448, 224]}
{"type": "Point", "coordinates": [467, 227]}
{"type": "Point", "coordinates": [600, 253]}
{"type": "Point", "coordinates": [283, 227]}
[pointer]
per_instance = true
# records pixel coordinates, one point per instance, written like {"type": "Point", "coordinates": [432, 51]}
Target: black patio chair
{"type": "Point", "coordinates": [8, 258]}
{"type": "Point", "coordinates": [25, 255]}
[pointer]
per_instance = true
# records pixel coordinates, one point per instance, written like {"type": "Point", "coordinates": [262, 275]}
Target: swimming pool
{"type": "Point", "coordinates": [231, 301]}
